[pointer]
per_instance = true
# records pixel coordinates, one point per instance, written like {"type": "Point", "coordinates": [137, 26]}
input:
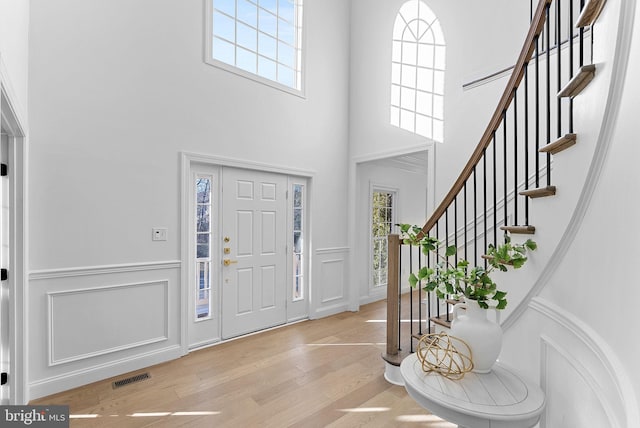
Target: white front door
{"type": "Point", "coordinates": [254, 261]}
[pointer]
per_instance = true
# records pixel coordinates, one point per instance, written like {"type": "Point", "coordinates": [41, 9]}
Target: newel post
{"type": "Point", "coordinates": [393, 287]}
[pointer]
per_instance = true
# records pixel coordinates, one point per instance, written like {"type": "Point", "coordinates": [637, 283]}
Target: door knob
{"type": "Point", "coordinates": [228, 262]}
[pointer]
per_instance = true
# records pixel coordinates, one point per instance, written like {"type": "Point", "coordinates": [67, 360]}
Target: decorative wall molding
{"type": "Point", "coordinates": [332, 273]}
{"type": "Point", "coordinates": [188, 158]}
{"type": "Point", "coordinates": [55, 299]}
{"type": "Point", "coordinates": [37, 275]}
{"type": "Point", "coordinates": [584, 373]}
{"type": "Point", "coordinates": [603, 354]}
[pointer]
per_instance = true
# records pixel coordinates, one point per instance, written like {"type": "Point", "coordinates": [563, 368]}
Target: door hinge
{"type": "Point", "coordinates": [3, 170]}
{"type": "Point", "coordinates": [4, 274]}
{"type": "Point", "coordinates": [4, 379]}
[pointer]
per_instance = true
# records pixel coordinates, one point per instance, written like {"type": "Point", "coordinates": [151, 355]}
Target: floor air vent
{"type": "Point", "coordinates": [130, 380]}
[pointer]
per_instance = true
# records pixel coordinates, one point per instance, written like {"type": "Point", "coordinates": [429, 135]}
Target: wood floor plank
{"type": "Point", "coordinates": [319, 373]}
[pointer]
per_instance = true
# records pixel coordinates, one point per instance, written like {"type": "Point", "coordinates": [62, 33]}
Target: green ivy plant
{"type": "Point", "coordinates": [460, 279]}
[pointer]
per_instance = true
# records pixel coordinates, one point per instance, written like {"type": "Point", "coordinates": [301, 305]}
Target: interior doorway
{"type": "Point", "coordinates": [12, 253]}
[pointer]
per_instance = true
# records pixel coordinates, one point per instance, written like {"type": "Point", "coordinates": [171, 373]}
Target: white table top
{"type": "Point", "coordinates": [496, 399]}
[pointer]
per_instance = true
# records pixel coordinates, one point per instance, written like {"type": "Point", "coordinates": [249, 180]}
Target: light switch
{"type": "Point", "coordinates": [159, 234]}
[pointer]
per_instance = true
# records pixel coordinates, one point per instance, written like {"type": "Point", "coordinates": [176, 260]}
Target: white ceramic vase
{"type": "Point", "coordinates": [483, 336]}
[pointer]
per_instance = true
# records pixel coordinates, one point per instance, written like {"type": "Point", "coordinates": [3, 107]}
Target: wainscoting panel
{"type": "Point", "coordinates": [120, 307]}
{"type": "Point", "coordinates": [330, 281]}
{"type": "Point", "coordinates": [584, 382]}
{"type": "Point", "coordinates": [91, 323]}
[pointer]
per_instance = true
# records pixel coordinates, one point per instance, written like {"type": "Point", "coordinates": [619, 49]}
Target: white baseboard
{"type": "Point", "coordinates": [78, 378]}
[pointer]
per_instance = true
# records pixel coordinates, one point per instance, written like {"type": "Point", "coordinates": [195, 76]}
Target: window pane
{"type": "Point", "coordinates": [424, 126]}
{"type": "Point", "coordinates": [408, 99]}
{"type": "Point", "coordinates": [267, 46]}
{"type": "Point", "coordinates": [203, 186]}
{"type": "Point", "coordinates": [248, 12]}
{"type": "Point", "coordinates": [297, 195]}
{"type": "Point", "coordinates": [408, 76]}
{"type": "Point", "coordinates": [286, 32]}
{"type": "Point", "coordinates": [246, 60]}
{"type": "Point", "coordinates": [395, 116]}
{"type": "Point", "coordinates": [286, 76]}
{"type": "Point", "coordinates": [270, 5]}
{"type": "Point", "coordinates": [439, 58]}
{"type": "Point", "coordinates": [202, 219]}
{"type": "Point", "coordinates": [425, 79]}
{"type": "Point", "coordinates": [409, 53]}
{"type": "Point", "coordinates": [268, 23]}
{"type": "Point", "coordinates": [286, 54]}
{"type": "Point", "coordinates": [425, 55]}
{"type": "Point", "coordinates": [297, 219]}
{"type": "Point", "coordinates": [267, 68]}
{"type": "Point", "coordinates": [438, 107]}
{"type": "Point", "coordinates": [395, 74]}
{"type": "Point", "coordinates": [406, 120]}
{"type": "Point", "coordinates": [224, 26]}
{"type": "Point", "coordinates": [226, 6]}
{"type": "Point", "coordinates": [247, 37]}
{"type": "Point", "coordinates": [438, 82]}
{"type": "Point", "coordinates": [286, 10]}
{"type": "Point", "coordinates": [202, 251]}
{"type": "Point", "coordinates": [424, 103]}
{"type": "Point", "coordinates": [224, 51]}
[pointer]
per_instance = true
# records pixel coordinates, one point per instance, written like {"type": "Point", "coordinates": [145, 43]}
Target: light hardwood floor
{"type": "Point", "coordinates": [321, 373]}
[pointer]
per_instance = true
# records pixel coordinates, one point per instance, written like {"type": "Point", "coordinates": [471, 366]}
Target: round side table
{"type": "Point", "coordinates": [499, 399]}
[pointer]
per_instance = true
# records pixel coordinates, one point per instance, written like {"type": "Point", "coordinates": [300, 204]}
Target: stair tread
{"type": "Point", "coordinates": [526, 230]}
{"type": "Point", "coordinates": [590, 13]}
{"type": "Point", "coordinates": [540, 192]}
{"type": "Point", "coordinates": [442, 320]}
{"type": "Point", "coordinates": [578, 82]}
{"type": "Point", "coordinates": [560, 144]}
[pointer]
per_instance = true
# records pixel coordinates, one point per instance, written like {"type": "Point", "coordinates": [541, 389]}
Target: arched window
{"type": "Point", "coordinates": [417, 71]}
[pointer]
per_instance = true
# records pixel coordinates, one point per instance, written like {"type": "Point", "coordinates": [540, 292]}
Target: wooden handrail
{"type": "Point", "coordinates": [528, 48]}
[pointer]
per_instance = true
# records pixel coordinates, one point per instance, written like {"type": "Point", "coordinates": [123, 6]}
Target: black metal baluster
{"type": "Point", "coordinates": [548, 29]}
{"type": "Point", "coordinates": [495, 191]}
{"type": "Point", "coordinates": [570, 27]}
{"type": "Point", "coordinates": [484, 199]}
{"type": "Point", "coordinates": [515, 157]}
{"type": "Point", "coordinates": [526, 142]}
{"type": "Point", "coordinates": [399, 302]}
{"type": "Point", "coordinates": [410, 299]}
{"type": "Point", "coordinates": [537, 118]}
{"type": "Point", "coordinates": [475, 219]}
{"type": "Point", "coordinates": [559, 76]}
{"type": "Point", "coordinates": [419, 295]}
{"type": "Point", "coordinates": [504, 161]}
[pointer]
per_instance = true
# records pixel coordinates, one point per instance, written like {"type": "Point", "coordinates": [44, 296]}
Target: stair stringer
{"type": "Point", "coordinates": [542, 339]}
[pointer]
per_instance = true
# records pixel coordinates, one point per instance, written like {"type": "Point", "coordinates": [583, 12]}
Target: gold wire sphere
{"type": "Point", "coordinates": [447, 355]}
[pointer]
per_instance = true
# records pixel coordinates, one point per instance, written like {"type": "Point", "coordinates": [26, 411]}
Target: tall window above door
{"type": "Point", "coordinates": [382, 221]}
{"type": "Point", "coordinates": [258, 39]}
{"type": "Point", "coordinates": [417, 71]}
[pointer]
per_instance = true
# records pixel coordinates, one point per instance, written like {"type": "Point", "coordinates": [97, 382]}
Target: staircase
{"type": "Point", "coordinates": [510, 167]}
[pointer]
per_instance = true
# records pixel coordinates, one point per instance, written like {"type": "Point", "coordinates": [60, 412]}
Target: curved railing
{"type": "Point", "coordinates": [512, 161]}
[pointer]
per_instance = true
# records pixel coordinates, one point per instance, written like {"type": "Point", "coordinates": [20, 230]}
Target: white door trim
{"type": "Point", "coordinates": [18, 155]}
{"type": "Point", "coordinates": [189, 159]}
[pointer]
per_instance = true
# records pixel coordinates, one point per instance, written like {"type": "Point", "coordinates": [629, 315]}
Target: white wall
{"type": "Point", "coordinates": [118, 89]}
{"type": "Point", "coordinates": [479, 42]}
{"type": "Point", "coordinates": [14, 37]}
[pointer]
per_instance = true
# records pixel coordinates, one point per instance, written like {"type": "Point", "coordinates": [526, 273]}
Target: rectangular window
{"type": "Point", "coordinates": [298, 241]}
{"type": "Point", "coordinates": [259, 39]}
{"type": "Point", "coordinates": [203, 247]}
{"type": "Point", "coordinates": [382, 221]}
